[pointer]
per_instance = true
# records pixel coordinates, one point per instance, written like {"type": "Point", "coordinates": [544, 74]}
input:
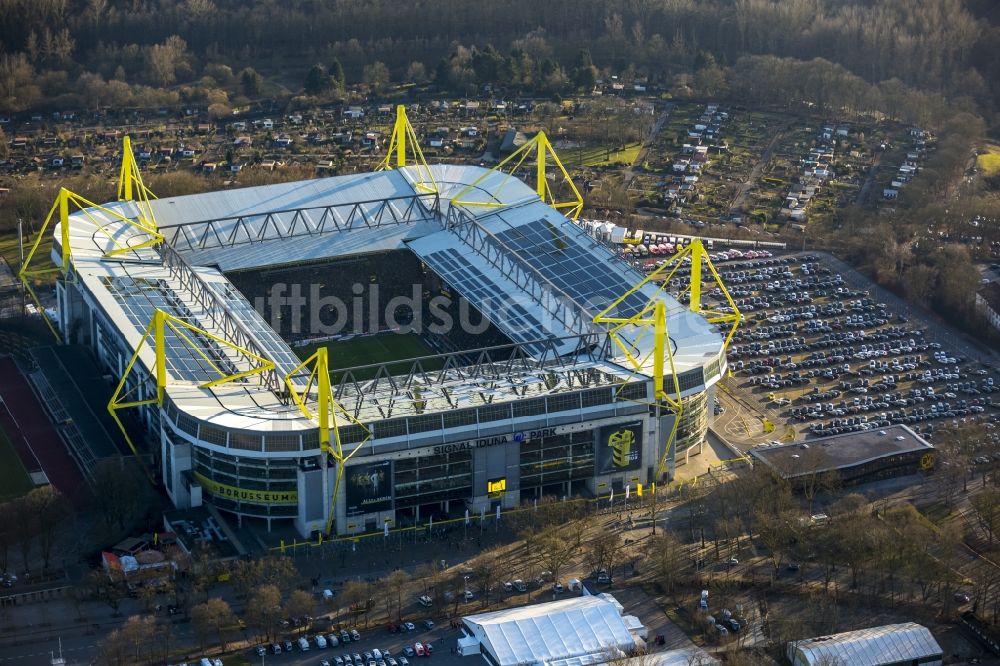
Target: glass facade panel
{"type": "Point", "coordinates": [557, 459]}
{"type": "Point", "coordinates": [433, 478]}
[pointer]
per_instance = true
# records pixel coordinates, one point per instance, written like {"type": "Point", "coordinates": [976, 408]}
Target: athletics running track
{"type": "Point", "coordinates": [29, 429]}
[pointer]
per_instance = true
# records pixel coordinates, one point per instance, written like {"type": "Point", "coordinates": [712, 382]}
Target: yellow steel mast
{"type": "Point", "coordinates": [653, 317]}
{"type": "Point", "coordinates": [541, 148]}
{"type": "Point", "coordinates": [156, 330]}
{"type": "Point", "coordinates": [326, 413]}
{"type": "Point", "coordinates": [129, 184]}
{"type": "Point", "coordinates": [404, 137]}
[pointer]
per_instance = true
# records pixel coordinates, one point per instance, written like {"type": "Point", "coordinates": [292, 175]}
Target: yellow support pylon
{"type": "Point", "coordinates": [541, 148]}
{"type": "Point", "coordinates": [653, 317]}
{"type": "Point", "coordinates": [156, 329]}
{"type": "Point", "coordinates": [131, 187]}
{"type": "Point", "coordinates": [325, 414]}
{"type": "Point", "coordinates": [61, 208]}
{"type": "Point", "coordinates": [403, 137]}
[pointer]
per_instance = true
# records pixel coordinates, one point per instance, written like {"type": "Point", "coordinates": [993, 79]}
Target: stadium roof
{"type": "Point", "coordinates": [503, 241]}
{"type": "Point", "coordinates": [578, 631]}
{"type": "Point", "coordinates": [888, 644]}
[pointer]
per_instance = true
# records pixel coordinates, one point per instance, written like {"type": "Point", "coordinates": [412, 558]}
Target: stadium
{"type": "Point", "coordinates": [384, 348]}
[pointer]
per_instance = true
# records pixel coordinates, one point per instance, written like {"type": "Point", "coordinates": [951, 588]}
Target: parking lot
{"type": "Point", "coordinates": [376, 646]}
{"type": "Point", "coordinates": [818, 354]}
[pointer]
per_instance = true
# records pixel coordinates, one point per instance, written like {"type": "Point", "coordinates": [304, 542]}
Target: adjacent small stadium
{"type": "Point", "coordinates": [381, 348]}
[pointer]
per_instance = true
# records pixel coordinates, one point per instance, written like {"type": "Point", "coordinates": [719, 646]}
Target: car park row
{"type": "Point", "coordinates": [836, 360]}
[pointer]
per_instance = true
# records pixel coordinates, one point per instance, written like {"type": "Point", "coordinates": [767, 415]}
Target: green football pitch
{"type": "Point", "coordinates": [14, 479]}
{"type": "Point", "coordinates": [384, 348]}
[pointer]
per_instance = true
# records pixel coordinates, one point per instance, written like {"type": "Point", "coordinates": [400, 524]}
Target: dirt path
{"type": "Point", "coordinates": [755, 172]}
{"type": "Point", "coordinates": [640, 157]}
{"type": "Point", "coordinates": [869, 179]}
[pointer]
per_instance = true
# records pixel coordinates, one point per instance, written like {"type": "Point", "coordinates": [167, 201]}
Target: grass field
{"type": "Point", "coordinates": [598, 156]}
{"type": "Point", "coordinates": [383, 348]}
{"type": "Point", "coordinates": [989, 162]}
{"type": "Point", "coordinates": [14, 479]}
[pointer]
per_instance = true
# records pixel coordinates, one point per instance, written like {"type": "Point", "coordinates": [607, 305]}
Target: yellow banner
{"type": "Point", "coordinates": [243, 495]}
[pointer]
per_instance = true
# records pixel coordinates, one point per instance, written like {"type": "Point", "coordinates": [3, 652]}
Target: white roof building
{"type": "Point", "coordinates": [889, 645]}
{"type": "Point", "coordinates": [580, 631]}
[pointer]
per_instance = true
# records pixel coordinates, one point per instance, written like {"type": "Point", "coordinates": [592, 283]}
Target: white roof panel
{"type": "Point", "coordinates": [582, 628]}
{"type": "Point", "coordinates": [875, 646]}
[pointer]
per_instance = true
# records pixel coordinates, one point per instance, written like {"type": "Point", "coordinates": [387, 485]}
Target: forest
{"type": "Point", "coordinates": [895, 56]}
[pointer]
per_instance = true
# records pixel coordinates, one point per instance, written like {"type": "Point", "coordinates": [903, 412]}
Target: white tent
{"type": "Point", "coordinates": [578, 631]}
{"type": "Point", "coordinates": [876, 646]}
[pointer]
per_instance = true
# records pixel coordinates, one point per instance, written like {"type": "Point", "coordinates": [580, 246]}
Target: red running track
{"type": "Point", "coordinates": [29, 429]}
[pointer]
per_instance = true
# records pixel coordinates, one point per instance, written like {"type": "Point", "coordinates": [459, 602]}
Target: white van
{"type": "Point", "coordinates": [320, 641]}
{"type": "Point", "coordinates": [304, 644]}
{"type": "Point", "coordinates": [425, 601]}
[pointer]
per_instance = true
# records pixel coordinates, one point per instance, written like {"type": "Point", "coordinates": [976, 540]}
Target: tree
{"type": "Point", "coordinates": [559, 547]}
{"type": "Point", "coordinates": [355, 595]}
{"type": "Point", "coordinates": [164, 60]}
{"type": "Point", "coordinates": [25, 528]}
{"type": "Point", "coordinates": [124, 492]}
{"type": "Point", "coordinates": [777, 533]}
{"type": "Point", "coordinates": [376, 75]}
{"type": "Point", "coordinates": [710, 79]}
{"type": "Point", "coordinates": [336, 72]}
{"type": "Point", "coordinates": [584, 72]}
{"type": "Point", "coordinates": [220, 73]}
{"type": "Point", "coordinates": [141, 640]}
{"type": "Point", "coordinates": [317, 80]}
{"type": "Point", "coordinates": [250, 82]}
{"type": "Point", "coordinates": [7, 533]}
{"type": "Point", "coordinates": [107, 587]}
{"type": "Point", "coordinates": [604, 549]}
{"type": "Point", "coordinates": [213, 618]}
{"type": "Point", "coordinates": [219, 110]}
{"type": "Point", "coordinates": [278, 570]}
{"type": "Point", "coordinates": [264, 609]}
{"type": "Point", "coordinates": [48, 507]}
{"type": "Point", "coordinates": [300, 604]}
{"type": "Point", "coordinates": [416, 72]}
{"type": "Point", "coordinates": [666, 557]}
{"type": "Point", "coordinates": [397, 584]}
{"type": "Point", "coordinates": [986, 508]}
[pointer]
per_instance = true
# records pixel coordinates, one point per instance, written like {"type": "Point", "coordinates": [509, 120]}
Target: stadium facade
{"type": "Point", "coordinates": [548, 406]}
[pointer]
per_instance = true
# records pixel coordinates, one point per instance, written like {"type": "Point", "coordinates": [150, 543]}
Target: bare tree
{"type": "Point", "coordinates": [986, 509]}
{"type": "Point", "coordinates": [560, 547]}
{"type": "Point", "coordinates": [300, 604]}
{"type": "Point", "coordinates": [264, 609]}
{"type": "Point", "coordinates": [110, 590]}
{"type": "Point", "coordinates": [213, 618]}
{"type": "Point", "coordinates": [666, 558]}
{"type": "Point", "coordinates": [397, 584]}
{"type": "Point", "coordinates": [604, 550]}
{"type": "Point", "coordinates": [355, 595]}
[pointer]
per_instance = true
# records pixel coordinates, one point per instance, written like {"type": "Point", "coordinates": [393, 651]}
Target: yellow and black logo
{"type": "Point", "coordinates": [621, 442]}
{"type": "Point", "coordinates": [927, 461]}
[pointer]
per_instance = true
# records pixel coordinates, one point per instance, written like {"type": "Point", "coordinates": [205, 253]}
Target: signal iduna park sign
{"type": "Point", "coordinates": [499, 440]}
